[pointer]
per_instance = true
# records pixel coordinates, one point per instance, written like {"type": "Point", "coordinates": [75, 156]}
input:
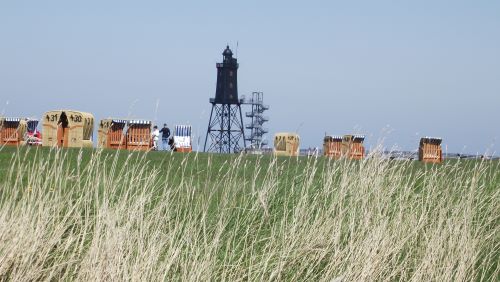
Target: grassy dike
{"type": "Point", "coordinates": [114, 215]}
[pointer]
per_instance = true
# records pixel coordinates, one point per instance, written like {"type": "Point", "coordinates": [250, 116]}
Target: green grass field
{"type": "Point", "coordinates": [114, 215]}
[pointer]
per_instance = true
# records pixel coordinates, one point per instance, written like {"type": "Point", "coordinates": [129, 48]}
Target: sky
{"type": "Point", "coordinates": [392, 70]}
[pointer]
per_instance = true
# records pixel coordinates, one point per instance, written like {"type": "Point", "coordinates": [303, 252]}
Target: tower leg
{"type": "Point", "coordinates": [221, 138]}
{"type": "Point", "coordinates": [208, 130]}
{"type": "Point", "coordinates": [229, 135]}
{"type": "Point", "coordinates": [242, 128]}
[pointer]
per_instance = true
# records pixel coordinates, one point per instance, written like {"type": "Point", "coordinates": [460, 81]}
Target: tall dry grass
{"type": "Point", "coordinates": [125, 218]}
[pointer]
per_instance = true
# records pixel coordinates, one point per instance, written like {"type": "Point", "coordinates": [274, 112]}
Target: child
{"type": "Point", "coordinates": [155, 135]}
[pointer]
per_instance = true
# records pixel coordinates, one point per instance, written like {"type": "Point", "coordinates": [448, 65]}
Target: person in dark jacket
{"type": "Point", "coordinates": [165, 133]}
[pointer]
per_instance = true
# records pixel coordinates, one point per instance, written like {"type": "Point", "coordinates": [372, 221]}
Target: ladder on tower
{"type": "Point", "coordinates": [257, 120]}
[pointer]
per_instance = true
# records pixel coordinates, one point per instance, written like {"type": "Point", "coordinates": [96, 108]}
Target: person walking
{"type": "Point", "coordinates": [155, 135]}
{"type": "Point", "coordinates": [165, 133]}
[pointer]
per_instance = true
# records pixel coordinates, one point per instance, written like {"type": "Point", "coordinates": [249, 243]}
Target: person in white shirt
{"type": "Point", "coordinates": [155, 135]}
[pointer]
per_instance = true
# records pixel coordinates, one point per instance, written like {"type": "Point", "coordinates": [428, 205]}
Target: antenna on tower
{"type": "Point", "coordinates": [236, 49]}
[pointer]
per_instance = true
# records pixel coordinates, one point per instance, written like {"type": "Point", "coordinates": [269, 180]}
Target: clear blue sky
{"type": "Point", "coordinates": [393, 69]}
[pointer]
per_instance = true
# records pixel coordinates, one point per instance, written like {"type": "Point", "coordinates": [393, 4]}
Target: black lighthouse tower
{"type": "Point", "coordinates": [225, 127]}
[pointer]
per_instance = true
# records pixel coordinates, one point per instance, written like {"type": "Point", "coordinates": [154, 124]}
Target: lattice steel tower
{"type": "Point", "coordinates": [225, 127]}
{"type": "Point", "coordinates": [257, 120]}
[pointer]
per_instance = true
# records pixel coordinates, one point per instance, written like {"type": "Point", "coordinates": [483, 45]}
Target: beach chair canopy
{"type": "Point", "coordinates": [431, 140]}
{"type": "Point", "coordinates": [333, 138]}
